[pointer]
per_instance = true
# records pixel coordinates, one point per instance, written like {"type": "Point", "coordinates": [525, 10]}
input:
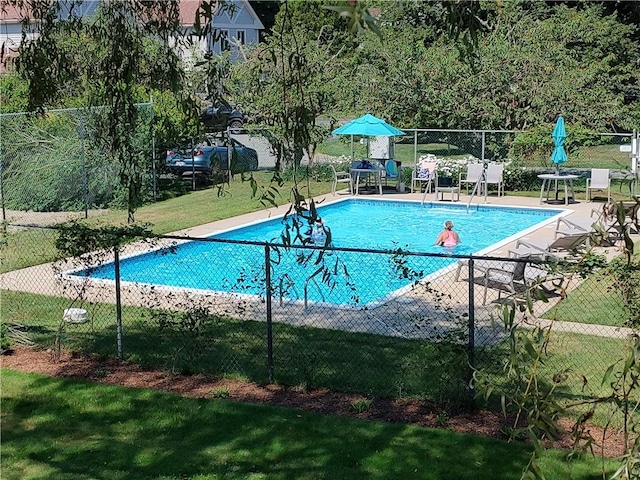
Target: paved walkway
{"type": "Point", "coordinates": [420, 313]}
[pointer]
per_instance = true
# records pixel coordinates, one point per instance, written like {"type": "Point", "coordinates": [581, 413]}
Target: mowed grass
{"type": "Point", "coordinates": [217, 203]}
{"type": "Point", "coordinates": [304, 356]}
{"type": "Point", "coordinates": [28, 247]}
{"type": "Point", "coordinates": [310, 357]}
{"type": "Point", "coordinates": [71, 429]}
{"type": "Point", "coordinates": [596, 156]}
{"type": "Point", "coordinates": [594, 302]}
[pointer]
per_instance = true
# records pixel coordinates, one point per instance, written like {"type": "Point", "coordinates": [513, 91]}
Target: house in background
{"type": "Point", "coordinates": [11, 32]}
{"type": "Point", "coordinates": [11, 24]}
{"type": "Point", "coordinates": [237, 26]}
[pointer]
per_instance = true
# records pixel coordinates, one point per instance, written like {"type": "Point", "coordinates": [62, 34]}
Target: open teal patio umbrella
{"type": "Point", "coordinates": [559, 135]}
{"type": "Point", "coordinates": [367, 126]}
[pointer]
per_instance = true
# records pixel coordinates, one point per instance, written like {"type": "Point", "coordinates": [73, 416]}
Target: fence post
{"type": "Point", "coordinates": [472, 338]}
{"type": "Point", "coordinates": [116, 263]}
{"type": "Point", "coordinates": [267, 263]}
{"type": "Point", "coordinates": [4, 211]}
{"type": "Point", "coordinates": [154, 172]}
{"type": "Point", "coordinates": [82, 134]}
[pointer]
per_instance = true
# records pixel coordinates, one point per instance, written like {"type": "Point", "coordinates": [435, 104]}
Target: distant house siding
{"type": "Point", "coordinates": [10, 35]}
{"type": "Point", "coordinates": [244, 20]}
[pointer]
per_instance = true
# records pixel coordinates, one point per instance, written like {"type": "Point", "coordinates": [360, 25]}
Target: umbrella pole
{"type": "Point", "coordinates": [352, 148]}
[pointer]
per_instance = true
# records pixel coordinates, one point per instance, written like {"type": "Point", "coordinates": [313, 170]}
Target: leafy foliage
{"type": "Point", "coordinates": [5, 341]}
{"type": "Point", "coordinates": [76, 238]}
{"type": "Point", "coordinates": [626, 276]}
{"type": "Point", "coordinates": [287, 80]}
{"type": "Point", "coordinates": [109, 74]}
{"type": "Point", "coordinates": [575, 61]}
{"type": "Point", "coordinates": [56, 162]}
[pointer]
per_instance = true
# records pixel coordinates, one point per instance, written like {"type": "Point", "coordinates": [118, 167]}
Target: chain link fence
{"type": "Point", "coordinates": [373, 322]}
{"type": "Point", "coordinates": [502, 145]}
{"type": "Point", "coordinates": [58, 162]}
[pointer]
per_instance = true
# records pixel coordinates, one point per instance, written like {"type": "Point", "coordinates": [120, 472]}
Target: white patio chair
{"type": "Point", "coordinates": [423, 172]}
{"type": "Point", "coordinates": [493, 176]}
{"type": "Point", "coordinates": [599, 181]}
{"type": "Point", "coordinates": [341, 177]}
{"type": "Point", "coordinates": [472, 175]}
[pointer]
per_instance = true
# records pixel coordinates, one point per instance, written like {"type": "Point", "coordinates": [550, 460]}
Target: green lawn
{"type": "Point", "coordinates": [212, 204]}
{"type": "Point", "coordinates": [310, 357]}
{"type": "Point", "coordinates": [70, 429]}
{"type": "Point", "coordinates": [597, 156]}
{"type": "Point", "coordinates": [35, 246]}
{"type": "Point", "coordinates": [593, 302]}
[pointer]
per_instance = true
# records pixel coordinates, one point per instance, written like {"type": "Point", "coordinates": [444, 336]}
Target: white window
{"type": "Point", "coordinates": [224, 41]}
{"type": "Point", "coordinates": [240, 36]}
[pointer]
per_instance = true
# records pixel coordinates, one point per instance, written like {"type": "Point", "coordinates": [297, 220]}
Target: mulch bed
{"type": "Point", "coordinates": [404, 411]}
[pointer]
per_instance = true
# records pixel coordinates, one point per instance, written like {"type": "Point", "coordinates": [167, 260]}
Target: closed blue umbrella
{"type": "Point", "coordinates": [559, 135]}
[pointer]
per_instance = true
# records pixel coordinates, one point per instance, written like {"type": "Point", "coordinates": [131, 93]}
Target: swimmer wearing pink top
{"type": "Point", "coordinates": [448, 238]}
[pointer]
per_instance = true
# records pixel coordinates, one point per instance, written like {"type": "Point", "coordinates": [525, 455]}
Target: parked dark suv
{"type": "Point", "coordinates": [219, 117]}
{"type": "Point", "coordinates": [213, 158]}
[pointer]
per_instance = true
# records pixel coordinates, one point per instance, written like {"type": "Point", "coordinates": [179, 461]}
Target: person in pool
{"type": "Point", "coordinates": [448, 238]}
{"type": "Point", "coordinates": [319, 232]}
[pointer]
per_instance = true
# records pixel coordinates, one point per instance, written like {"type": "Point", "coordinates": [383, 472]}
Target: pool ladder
{"type": "Point", "coordinates": [475, 189]}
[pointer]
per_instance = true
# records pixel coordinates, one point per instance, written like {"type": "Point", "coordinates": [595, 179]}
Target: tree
{"type": "Point", "coordinates": [533, 64]}
{"type": "Point", "coordinates": [288, 79]}
{"type": "Point", "coordinates": [121, 65]}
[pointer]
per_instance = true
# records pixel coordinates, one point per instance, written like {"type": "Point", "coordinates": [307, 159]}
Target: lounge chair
{"type": "Point", "coordinates": [631, 208]}
{"type": "Point", "coordinates": [510, 275]}
{"type": "Point", "coordinates": [506, 274]}
{"type": "Point", "coordinates": [479, 265]}
{"type": "Point", "coordinates": [564, 243]}
{"type": "Point", "coordinates": [596, 225]}
{"type": "Point", "coordinates": [621, 216]}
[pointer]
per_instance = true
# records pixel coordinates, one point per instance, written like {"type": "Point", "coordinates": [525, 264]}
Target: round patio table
{"type": "Point", "coordinates": [567, 180]}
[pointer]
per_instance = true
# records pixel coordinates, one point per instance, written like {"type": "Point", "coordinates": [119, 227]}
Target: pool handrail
{"type": "Point", "coordinates": [475, 188]}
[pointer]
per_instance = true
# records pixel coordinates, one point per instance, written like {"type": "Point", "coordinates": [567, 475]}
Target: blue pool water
{"type": "Point", "coordinates": [358, 278]}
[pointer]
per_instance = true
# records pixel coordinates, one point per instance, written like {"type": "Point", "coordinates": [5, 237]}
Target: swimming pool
{"type": "Point", "coordinates": [358, 278]}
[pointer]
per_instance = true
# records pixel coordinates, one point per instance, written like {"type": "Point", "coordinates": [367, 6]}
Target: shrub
{"type": "Point", "coordinates": [5, 341]}
{"type": "Point", "coordinates": [318, 171]}
{"type": "Point", "coordinates": [518, 178]}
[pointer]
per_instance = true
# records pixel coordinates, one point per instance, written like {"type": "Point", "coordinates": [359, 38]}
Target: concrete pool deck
{"type": "Point", "coordinates": [415, 314]}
